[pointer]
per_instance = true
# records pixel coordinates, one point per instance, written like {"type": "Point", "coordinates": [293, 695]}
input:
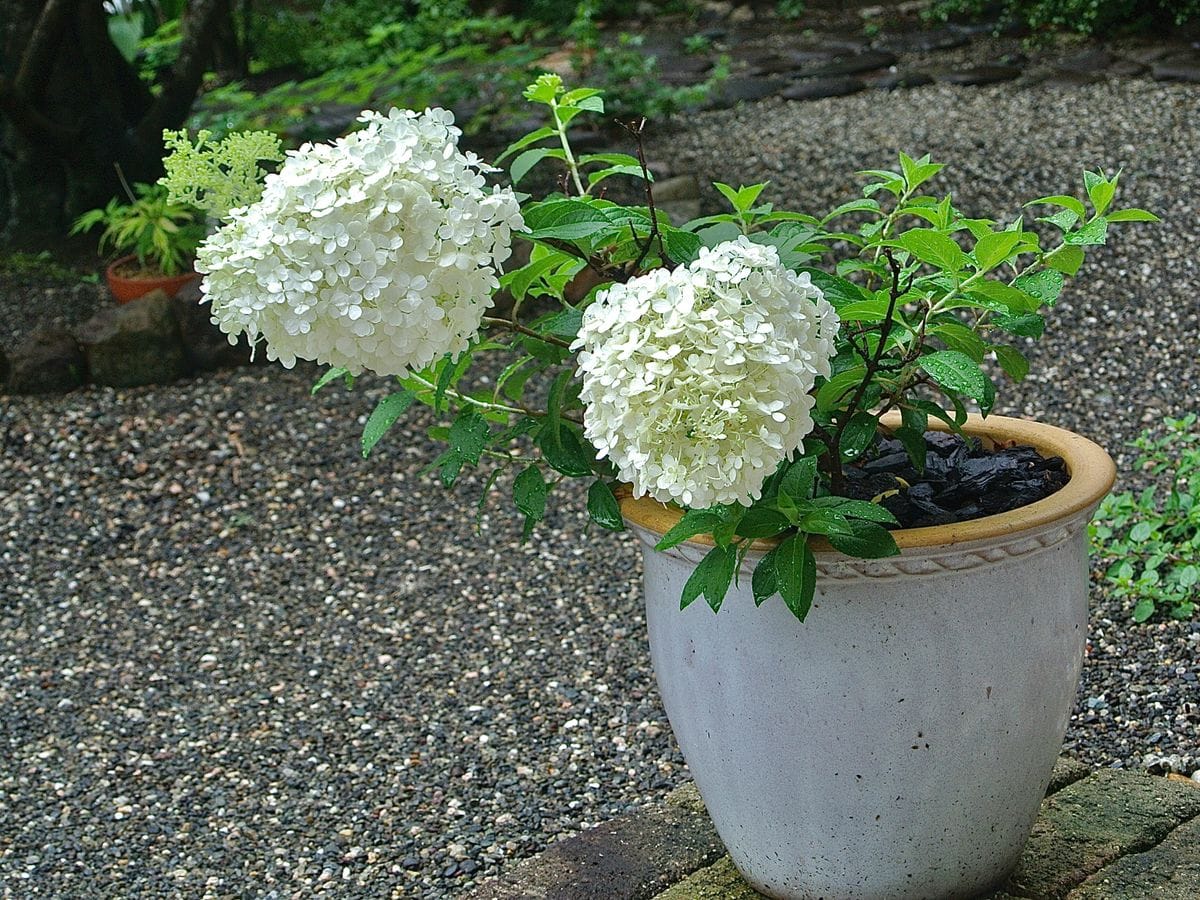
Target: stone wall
{"type": "Point", "coordinates": [153, 340]}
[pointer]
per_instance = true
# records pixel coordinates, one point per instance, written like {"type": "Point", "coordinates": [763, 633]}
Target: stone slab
{"type": "Point", "coordinates": [134, 344]}
{"type": "Point", "coordinates": [205, 347]}
{"type": "Point", "coordinates": [1066, 772]}
{"type": "Point", "coordinates": [818, 88]}
{"type": "Point", "coordinates": [632, 857]}
{"type": "Point", "coordinates": [49, 361]}
{"type": "Point", "coordinates": [977, 76]}
{"type": "Point", "coordinates": [720, 881]}
{"type": "Point", "coordinates": [1169, 871]}
{"type": "Point", "coordinates": [1089, 824]}
{"type": "Point", "coordinates": [851, 64]}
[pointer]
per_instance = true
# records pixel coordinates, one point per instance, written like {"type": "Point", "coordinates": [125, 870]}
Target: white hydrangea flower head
{"type": "Point", "coordinates": [379, 251]}
{"type": "Point", "coordinates": [696, 381]}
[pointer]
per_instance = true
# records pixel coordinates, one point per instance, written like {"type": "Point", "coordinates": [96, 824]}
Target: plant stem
{"type": "Point", "coordinates": [572, 166]}
{"type": "Point", "coordinates": [510, 325]}
{"type": "Point", "coordinates": [519, 409]}
{"type": "Point", "coordinates": [836, 478]}
{"type": "Point", "coordinates": [636, 130]}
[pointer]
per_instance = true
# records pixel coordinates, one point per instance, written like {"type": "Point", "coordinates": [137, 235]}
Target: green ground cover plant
{"type": "Point", "coordinates": [1150, 541]}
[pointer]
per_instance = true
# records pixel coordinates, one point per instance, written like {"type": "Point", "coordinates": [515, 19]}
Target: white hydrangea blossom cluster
{"type": "Point", "coordinates": [696, 381]}
{"type": "Point", "coordinates": [379, 251]}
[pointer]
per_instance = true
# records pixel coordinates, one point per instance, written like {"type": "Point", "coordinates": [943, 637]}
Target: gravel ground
{"type": "Point", "coordinates": [237, 660]}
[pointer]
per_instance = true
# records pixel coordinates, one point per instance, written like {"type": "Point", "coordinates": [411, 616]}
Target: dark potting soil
{"type": "Point", "coordinates": [962, 480]}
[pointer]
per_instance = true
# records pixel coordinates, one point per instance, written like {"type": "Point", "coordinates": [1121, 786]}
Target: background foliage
{"type": "Point", "coordinates": [1084, 16]}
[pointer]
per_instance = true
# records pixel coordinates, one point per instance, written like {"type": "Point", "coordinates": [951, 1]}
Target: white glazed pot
{"type": "Point", "coordinates": [897, 744]}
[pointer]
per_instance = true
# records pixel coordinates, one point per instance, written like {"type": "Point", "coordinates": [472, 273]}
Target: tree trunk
{"type": "Point", "coordinates": [73, 111]}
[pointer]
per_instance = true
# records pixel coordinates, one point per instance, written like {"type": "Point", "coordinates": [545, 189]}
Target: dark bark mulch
{"type": "Point", "coordinates": [962, 480]}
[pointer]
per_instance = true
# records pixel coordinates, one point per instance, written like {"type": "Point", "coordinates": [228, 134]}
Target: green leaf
{"type": "Point", "coordinates": [682, 246]}
{"type": "Point", "coordinates": [563, 450]}
{"type": "Point", "coordinates": [914, 444]}
{"type": "Point", "coordinates": [1012, 361]}
{"type": "Point", "coordinates": [711, 578]}
{"type": "Point", "coordinates": [331, 375]}
{"type": "Point", "coordinates": [799, 478]}
{"type": "Point", "coordinates": [816, 519]}
{"type": "Point", "coordinates": [612, 159]}
{"type": "Point", "coordinates": [1043, 286]}
{"type": "Point", "coordinates": [568, 219]}
{"type": "Point", "coordinates": [693, 522]}
{"type": "Point", "coordinates": [1029, 325]}
{"type": "Point", "coordinates": [858, 435]}
{"type": "Point", "coordinates": [522, 164]}
{"type": "Point", "coordinates": [762, 522]}
{"type": "Point", "coordinates": [384, 416]}
{"type": "Point", "coordinates": [1066, 259]}
{"type": "Point", "coordinates": [520, 280]}
{"type": "Point", "coordinates": [867, 541]}
{"type": "Point", "coordinates": [934, 248]}
{"type": "Point", "coordinates": [1141, 531]}
{"type": "Point", "coordinates": [529, 493]}
{"type": "Point", "coordinates": [1100, 190]}
{"type": "Point", "coordinates": [1013, 299]}
{"type": "Point", "coordinates": [838, 388]}
{"type": "Point", "coordinates": [1071, 203]}
{"type": "Point", "coordinates": [1144, 610]}
{"type": "Point", "coordinates": [1132, 215]}
{"type": "Point", "coordinates": [512, 380]}
{"type": "Point", "coordinates": [858, 509]}
{"type": "Point", "coordinates": [1094, 232]}
{"type": "Point", "coordinates": [956, 372]}
{"type": "Point", "coordinates": [532, 138]}
{"type": "Point", "coordinates": [838, 291]}
{"type": "Point", "coordinates": [564, 323]}
{"type": "Point", "coordinates": [125, 30]}
{"type": "Point", "coordinates": [874, 310]}
{"type": "Point", "coordinates": [1064, 219]}
{"type": "Point", "coordinates": [765, 580]}
{"type": "Point", "coordinates": [545, 89]}
{"type": "Point", "coordinates": [603, 507]}
{"type": "Point", "coordinates": [577, 96]}
{"type": "Point", "coordinates": [796, 571]}
{"type": "Point", "coordinates": [448, 373]}
{"type": "Point", "coordinates": [468, 435]}
{"type": "Point", "coordinates": [917, 172]}
{"type": "Point", "coordinates": [449, 464]}
{"type": "Point", "coordinates": [594, 178]}
{"type": "Point", "coordinates": [994, 248]}
{"type": "Point", "coordinates": [591, 104]}
{"type": "Point", "coordinates": [957, 336]}
{"type": "Point", "coordinates": [860, 205]}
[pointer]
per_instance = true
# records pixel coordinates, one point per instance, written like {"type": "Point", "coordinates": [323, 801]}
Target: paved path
{"type": "Point", "coordinates": [1104, 835]}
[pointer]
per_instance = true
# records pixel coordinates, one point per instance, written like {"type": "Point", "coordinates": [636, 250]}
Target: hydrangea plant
{"type": "Point", "coordinates": [733, 365]}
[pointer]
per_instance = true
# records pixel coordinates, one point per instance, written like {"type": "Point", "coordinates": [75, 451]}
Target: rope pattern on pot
{"type": "Point", "coordinates": [845, 568]}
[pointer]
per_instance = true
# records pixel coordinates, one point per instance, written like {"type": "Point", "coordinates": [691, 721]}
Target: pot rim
{"type": "Point", "coordinates": [1091, 469]}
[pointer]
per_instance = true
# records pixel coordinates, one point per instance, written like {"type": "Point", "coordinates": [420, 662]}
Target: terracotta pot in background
{"type": "Point", "coordinates": [125, 289]}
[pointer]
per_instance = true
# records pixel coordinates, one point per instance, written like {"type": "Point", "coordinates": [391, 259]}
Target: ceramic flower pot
{"type": "Point", "coordinates": [898, 743]}
{"type": "Point", "coordinates": [125, 289]}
